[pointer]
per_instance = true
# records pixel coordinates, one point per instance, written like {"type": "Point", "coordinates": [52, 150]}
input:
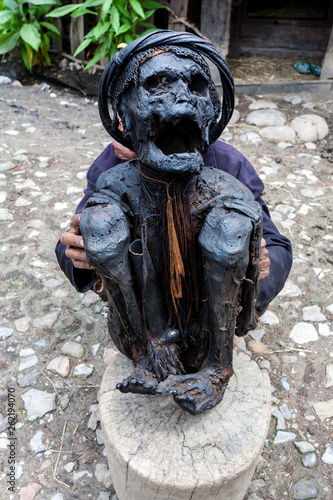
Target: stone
{"type": "Point", "coordinates": [324, 330]}
{"type": "Point", "coordinates": [103, 495]}
{"type": "Point", "coordinates": [103, 475]}
{"type": "Point", "coordinates": [309, 460]}
{"type": "Point", "coordinates": [262, 104]}
{"type": "Point", "coordinates": [27, 362]}
{"type": "Point", "coordinates": [324, 409]}
{"type": "Point", "coordinates": [285, 384]}
{"type": "Point", "coordinates": [22, 324]}
{"type": "Point", "coordinates": [289, 359]}
{"type": "Point", "coordinates": [293, 99]}
{"type": "Point", "coordinates": [256, 485]}
{"type": "Point", "coordinates": [73, 349]}
{"type": "Point", "coordinates": [3, 423]}
{"type": "Point", "coordinates": [285, 411]}
{"type": "Point", "coordinates": [290, 289]}
{"type": "Point", "coordinates": [265, 365]}
{"type": "Point", "coordinates": [313, 313]}
{"type": "Point", "coordinates": [330, 308]}
{"type": "Point", "coordinates": [3, 196]}
{"type": "Point", "coordinates": [18, 470]}
{"type": "Point", "coordinates": [4, 80]}
{"type": "Point", "coordinates": [284, 437]}
{"type": "Point", "coordinates": [5, 214]}
{"type": "Point", "coordinates": [90, 298]}
{"type": "Point", "coordinates": [109, 354]}
{"type": "Point", "coordinates": [46, 321]}
{"type": "Point", "coordinates": [171, 463]}
{"type": "Point", "coordinates": [268, 117]}
{"type": "Point", "coordinates": [304, 489]}
{"type": "Point", "coordinates": [257, 334]}
{"type": "Point", "coordinates": [283, 133]}
{"type": "Point", "coordinates": [57, 496]}
{"type": "Point", "coordinates": [83, 371]}
{"type": "Point", "coordinates": [20, 158]}
{"type": "Point", "coordinates": [69, 467]}
{"type": "Point", "coordinates": [5, 332]}
{"type": "Point", "coordinates": [284, 145]}
{"type": "Point", "coordinates": [269, 318]}
{"type": "Point", "coordinates": [79, 474]}
{"type": "Point", "coordinates": [303, 333]}
{"type": "Point", "coordinates": [310, 128]}
{"type": "Point", "coordinates": [94, 417]}
{"type": "Point", "coordinates": [235, 117]}
{"type": "Point", "coordinates": [7, 165]}
{"type": "Point", "coordinates": [327, 456]}
{"type": "Point", "coordinates": [36, 443]}
{"type": "Point", "coordinates": [22, 202]}
{"type": "Point", "coordinates": [28, 379]}
{"type": "Point", "coordinates": [304, 446]}
{"type": "Point", "coordinates": [55, 282]}
{"type": "Point", "coordinates": [30, 491]}
{"type": "Point", "coordinates": [329, 376]}
{"type": "Point", "coordinates": [99, 437]}
{"type": "Point", "coordinates": [37, 403]}
{"type": "Point", "coordinates": [280, 424]}
{"type": "Point", "coordinates": [59, 365]}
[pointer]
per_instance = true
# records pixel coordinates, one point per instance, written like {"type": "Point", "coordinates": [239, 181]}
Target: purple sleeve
{"type": "Point", "coordinates": [83, 279]}
{"type": "Point", "coordinates": [228, 159]}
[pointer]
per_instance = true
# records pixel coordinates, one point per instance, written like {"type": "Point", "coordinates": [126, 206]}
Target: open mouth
{"type": "Point", "coordinates": [179, 136]}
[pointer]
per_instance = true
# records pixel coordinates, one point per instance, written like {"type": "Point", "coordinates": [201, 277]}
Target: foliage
{"type": "Point", "coordinates": [118, 21]}
{"type": "Point", "coordinates": [22, 25]}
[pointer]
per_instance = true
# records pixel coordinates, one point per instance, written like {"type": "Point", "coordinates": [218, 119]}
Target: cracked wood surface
{"type": "Point", "coordinates": [157, 451]}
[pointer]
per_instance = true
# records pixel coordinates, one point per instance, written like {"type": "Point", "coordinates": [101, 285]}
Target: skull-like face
{"type": "Point", "coordinates": [167, 117]}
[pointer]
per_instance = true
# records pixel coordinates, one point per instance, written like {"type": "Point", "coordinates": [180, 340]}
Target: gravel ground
{"type": "Point", "coordinates": [48, 141]}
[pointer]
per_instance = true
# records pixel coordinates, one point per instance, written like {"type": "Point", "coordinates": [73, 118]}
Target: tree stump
{"type": "Point", "coordinates": [157, 451]}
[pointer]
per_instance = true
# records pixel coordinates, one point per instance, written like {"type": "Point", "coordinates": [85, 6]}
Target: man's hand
{"type": "Point", "coordinates": [123, 153]}
{"type": "Point", "coordinates": [264, 263]}
{"type": "Point", "coordinates": [74, 242]}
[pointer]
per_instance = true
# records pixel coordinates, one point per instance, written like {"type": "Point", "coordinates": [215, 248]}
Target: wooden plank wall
{"type": "Point", "coordinates": [215, 23]}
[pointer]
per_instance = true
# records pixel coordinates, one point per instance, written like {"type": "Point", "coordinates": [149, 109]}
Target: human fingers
{"type": "Point", "coordinates": [122, 152]}
{"type": "Point", "coordinates": [264, 265]}
{"type": "Point", "coordinates": [75, 224]}
{"type": "Point", "coordinates": [71, 240]}
{"type": "Point", "coordinates": [78, 258]}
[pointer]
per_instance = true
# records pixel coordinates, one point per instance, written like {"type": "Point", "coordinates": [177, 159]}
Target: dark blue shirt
{"type": "Point", "coordinates": [226, 158]}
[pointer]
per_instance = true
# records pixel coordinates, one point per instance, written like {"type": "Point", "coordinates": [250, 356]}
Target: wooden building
{"type": "Point", "coordinates": [301, 29]}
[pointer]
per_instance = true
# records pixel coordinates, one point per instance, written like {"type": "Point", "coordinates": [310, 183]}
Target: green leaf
{"type": "Point", "coordinates": [136, 6]}
{"type": "Point", "coordinates": [24, 56]}
{"type": "Point", "coordinates": [11, 4]}
{"type": "Point", "coordinates": [8, 42]}
{"type": "Point", "coordinates": [149, 4]}
{"type": "Point", "coordinates": [42, 2]}
{"type": "Point", "coordinates": [5, 15]}
{"type": "Point", "coordinates": [128, 38]}
{"type": "Point", "coordinates": [100, 29]}
{"type": "Point", "coordinates": [98, 55]}
{"type": "Point", "coordinates": [106, 6]}
{"type": "Point", "coordinates": [81, 12]}
{"type": "Point", "coordinates": [62, 11]}
{"type": "Point", "coordinates": [149, 13]}
{"type": "Point", "coordinates": [123, 28]}
{"type": "Point", "coordinates": [50, 27]}
{"type": "Point", "coordinates": [31, 36]}
{"type": "Point", "coordinates": [122, 9]}
{"type": "Point", "coordinates": [114, 16]}
{"type": "Point", "coordinates": [82, 46]}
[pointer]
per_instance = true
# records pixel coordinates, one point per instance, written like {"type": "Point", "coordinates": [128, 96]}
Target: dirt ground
{"type": "Point", "coordinates": [49, 139]}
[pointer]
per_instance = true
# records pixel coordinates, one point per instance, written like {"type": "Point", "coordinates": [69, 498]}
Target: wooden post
{"type": "Point", "coordinates": [180, 8]}
{"type": "Point", "coordinates": [327, 71]}
{"type": "Point", "coordinates": [215, 23]}
{"type": "Point", "coordinates": [56, 43]}
{"type": "Point", "coordinates": [77, 33]}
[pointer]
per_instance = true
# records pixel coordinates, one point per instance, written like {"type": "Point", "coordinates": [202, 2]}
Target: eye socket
{"type": "Point", "coordinates": [198, 85]}
{"type": "Point", "coordinates": [151, 82]}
